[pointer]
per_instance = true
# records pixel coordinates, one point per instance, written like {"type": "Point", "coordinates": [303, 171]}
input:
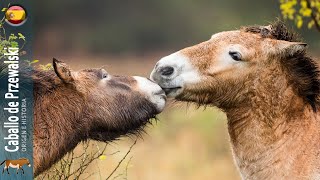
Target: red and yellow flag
{"type": "Point", "coordinates": [15, 15]}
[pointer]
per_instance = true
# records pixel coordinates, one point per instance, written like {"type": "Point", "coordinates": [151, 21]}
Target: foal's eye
{"type": "Point", "coordinates": [104, 75]}
{"type": "Point", "coordinates": [235, 55]}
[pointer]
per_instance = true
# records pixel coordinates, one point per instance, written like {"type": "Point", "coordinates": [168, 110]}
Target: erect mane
{"type": "Point", "coordinates": [303, 71]}
{"type": "Point", "coordinates": [276, 30]}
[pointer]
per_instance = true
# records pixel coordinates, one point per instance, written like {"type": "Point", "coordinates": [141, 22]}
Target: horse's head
{"type": "Point", "coordinates": [224, 66]}
{"type": "Point", "coordinates": [114, 105]}
{"type": "Point", "coordinates": [88, 104]}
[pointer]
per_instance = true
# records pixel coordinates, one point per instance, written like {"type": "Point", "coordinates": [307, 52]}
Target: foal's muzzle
{"type": "Point", "coordinates": [152, 91]}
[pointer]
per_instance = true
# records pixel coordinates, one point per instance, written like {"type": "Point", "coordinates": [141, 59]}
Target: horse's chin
{"type": "Point", "coordinates": [173, 91]}
{"type": "Point", "coordinates": [125, 127]}
{"type": "Point", "coordinates": [192, 97]}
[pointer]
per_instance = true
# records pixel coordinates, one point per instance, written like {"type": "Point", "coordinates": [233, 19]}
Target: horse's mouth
{"type": "Point", "coordinates": [172, 90]}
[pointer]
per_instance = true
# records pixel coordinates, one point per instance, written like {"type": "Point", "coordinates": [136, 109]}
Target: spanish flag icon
{"type": "Point", "coordinates": [15, 15]}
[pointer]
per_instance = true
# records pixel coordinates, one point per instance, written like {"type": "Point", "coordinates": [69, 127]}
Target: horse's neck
{"type": "Point", "coordinates": [271, 130]}
{"type": "Point", "coordinates": [57, 126]}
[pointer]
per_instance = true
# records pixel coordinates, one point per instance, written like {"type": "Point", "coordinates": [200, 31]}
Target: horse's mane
{"type": "Point", "coordinates": [302, 70]}
{"type": "Point", "coordinates": [42, 81]}
{"type": "Point", "coordinates": [277, 30]}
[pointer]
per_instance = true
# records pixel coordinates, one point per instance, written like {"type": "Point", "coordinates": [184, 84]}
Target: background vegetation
{"type": "Point", "coordinates": [129, 37]}
{"type": "Point", "coordinates": [302, 12]}
{"type": "Point", "coordinates": [150, 25]}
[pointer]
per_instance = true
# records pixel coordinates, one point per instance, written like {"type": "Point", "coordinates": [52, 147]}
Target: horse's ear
{"type": "Point", "coordinates": [292, 48]}
{"type": "Point", "coordinates": [62, 70]}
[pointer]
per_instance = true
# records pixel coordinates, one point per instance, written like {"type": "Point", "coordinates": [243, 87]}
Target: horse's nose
{"type": "Point", "coordinates": [166, 71]}
{"type": "Point", "coordinates": [167, 68]}
{"type": "Point", "coordinates": [152, 91]}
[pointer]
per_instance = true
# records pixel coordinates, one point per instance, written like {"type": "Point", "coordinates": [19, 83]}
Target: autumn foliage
{"type": "Point", "coordinates": [302, 12]}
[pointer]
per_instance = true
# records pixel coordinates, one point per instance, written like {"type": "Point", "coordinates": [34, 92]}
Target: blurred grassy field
{"type": "Point", "coordinates": [186, 143]}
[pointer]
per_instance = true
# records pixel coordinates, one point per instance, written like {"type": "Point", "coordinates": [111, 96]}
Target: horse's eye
{"type": "Point", "coordinates": [104, 75]}
{"type": "Point", "coordinates": [235, 55]}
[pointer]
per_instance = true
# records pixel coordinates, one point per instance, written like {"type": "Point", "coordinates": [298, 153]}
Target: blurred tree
{"type": "Point", "coordinates": [116, 27]}
{"type": "Point", "coordinates": [138, 26]}
{"type": "Point", "coordinates": [302, 12]}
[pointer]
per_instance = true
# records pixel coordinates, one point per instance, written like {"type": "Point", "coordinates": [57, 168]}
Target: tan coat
{"type": "Point", "coordinates": [269, 88]}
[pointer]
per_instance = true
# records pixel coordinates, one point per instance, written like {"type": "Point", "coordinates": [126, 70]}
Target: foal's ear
{"type": "Point", "coordinates": [62, 70]}
{"type": "Point", "coordinates": [292, 48]}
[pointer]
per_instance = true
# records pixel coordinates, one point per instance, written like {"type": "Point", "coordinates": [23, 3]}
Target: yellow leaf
{"type": "Point", "coordinates": [306, 12]}
{"type": "Point", "coordinates": [35, 61]}
{"type": "Point", "coordinates": [284, 6]}
{"type": "Point", "coordinates": [303, 4]}
{"type": "Point", "coordinates": [4, 9]}
{"type": "Point", "coordinates": [291, 17]}
{"type": "Point", "coordinates": [293, 2]}
{"type": "Point", "coordinates": [317, 5]}
{"type": "Point", "coordinates": [299, 23]}
{"type": "Point", "coordinates": [103, 157]}
{"type": "Point", "coordinates": [310, 24]}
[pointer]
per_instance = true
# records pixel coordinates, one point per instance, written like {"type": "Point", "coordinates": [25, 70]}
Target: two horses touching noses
{"type": "Point", "coordinates": [263, 79]}
{"type": "Point", "coordinates": [260, 76]}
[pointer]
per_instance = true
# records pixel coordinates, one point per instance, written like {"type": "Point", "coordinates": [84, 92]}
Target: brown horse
{"type": "Point", "coordinates": [269, 88]}
{"type": "Point", "coordinates": [18, 163]}
{"type": "Point", "coordinates": [74, 106]}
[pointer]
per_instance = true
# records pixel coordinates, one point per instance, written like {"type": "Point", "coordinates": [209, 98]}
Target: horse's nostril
{"type": "Point", "coordinates": [166, 71]}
